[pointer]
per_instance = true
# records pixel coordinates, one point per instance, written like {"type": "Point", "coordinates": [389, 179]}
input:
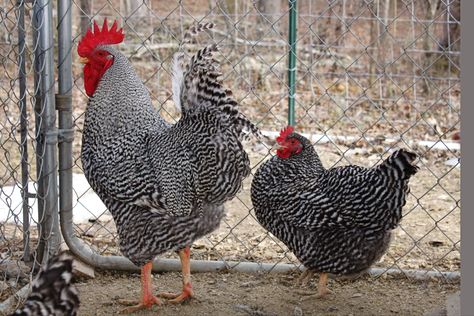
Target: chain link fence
{"type": "Point", "coordinates": [370, 76]}
{"type": "Point", "coordinates": [29, 218]}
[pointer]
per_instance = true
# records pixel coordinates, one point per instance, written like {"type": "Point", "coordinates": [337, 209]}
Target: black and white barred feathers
{"type": "Point", "coordinates": [336, 220]}
{"type": "Point", "coordinates": [52, 293]}
{"type": "Point", "coordinates": [164, 184]}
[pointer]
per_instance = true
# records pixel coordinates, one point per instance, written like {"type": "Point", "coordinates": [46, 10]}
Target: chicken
{"type": "Point", "coordinates": [336, 220]}
{"type": "Point", "coordinates": [165, 185]}
{"type": "Point", "coordinates": [52, 291]}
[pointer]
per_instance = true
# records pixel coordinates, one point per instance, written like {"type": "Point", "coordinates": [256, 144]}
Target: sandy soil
{"type": "Point", "coordinates": [267, 294]}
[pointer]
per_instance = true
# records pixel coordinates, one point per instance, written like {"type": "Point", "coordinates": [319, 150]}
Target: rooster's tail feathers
{"type": "Point", "coordinates": [198, 86]}
{"type": "Point", "coordinates": [194, 30]}
{"type": "Point", "coordinates": [178, 61]}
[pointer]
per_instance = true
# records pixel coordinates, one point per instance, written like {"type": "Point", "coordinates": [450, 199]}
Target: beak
{"type": "Point", "coordinates": [83, 60]}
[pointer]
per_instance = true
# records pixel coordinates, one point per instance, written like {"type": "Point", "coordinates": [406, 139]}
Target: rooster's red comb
{"type": "Point", "coordinates": [284, 133]}
{"type": "Point", "coordinates": [105, 36]}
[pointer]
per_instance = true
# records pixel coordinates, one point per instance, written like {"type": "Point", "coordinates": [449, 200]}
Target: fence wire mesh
{"type": "Point", "coordinates": [371, 75]}
{"type": "Point", "coordinates": [29, 229]}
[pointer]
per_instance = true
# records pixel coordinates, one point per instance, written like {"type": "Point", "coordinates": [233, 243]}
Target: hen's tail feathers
{"type": "Point", "coordinates": [401, 162]}
{"type": "Point", "coordinates": [52, 291]}
{"type": "Point", "coordinates": [198, 86]}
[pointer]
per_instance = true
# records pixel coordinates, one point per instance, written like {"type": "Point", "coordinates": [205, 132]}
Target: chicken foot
{"type": "Point", "coordinates": [187, 292]}
{"type": "Point", "coordinates": [147, 299]}
{"type": "Point", "coordinates": [305, 277]}
{"type": "Point", "coordinates": [323, 290]}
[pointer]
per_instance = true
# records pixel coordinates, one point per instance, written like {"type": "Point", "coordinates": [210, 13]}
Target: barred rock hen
{"type": "Point", "coordinates": [165, 185]}
{"type": "Point", "coordinates": [52, 292]}
{"type": "Point", "coordinates": [336, 220]}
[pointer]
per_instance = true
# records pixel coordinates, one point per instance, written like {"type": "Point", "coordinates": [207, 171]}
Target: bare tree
{"type": "Point", "coordinates": [86, 9]}
{"type": "Point", "coordinates": [452, 32]}
{"type": "Point", "coordinates": [373, 36]}
{"type": "Point", "coordinates": [430, 11]}
{"type": "Point", "coordinates": [270, 11]}
{"type": "Point", "coordinates": [136, 8]}
{"type": "Point", "coordinates": [383, 47]}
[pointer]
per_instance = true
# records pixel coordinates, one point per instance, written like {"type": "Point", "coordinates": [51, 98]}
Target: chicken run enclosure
{"type": "Point", "coordinates": [359, 78]}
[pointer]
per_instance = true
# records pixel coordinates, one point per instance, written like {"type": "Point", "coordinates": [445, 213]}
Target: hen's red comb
{"type": "Point", "coordinates": [284, 133]}
{"type": "Point", "coordinates": [105, 36]}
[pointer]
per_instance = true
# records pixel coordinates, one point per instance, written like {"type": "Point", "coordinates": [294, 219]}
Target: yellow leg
{"type": "Point", "coordinates": [147, 299]}
{"type": "Point", "coordinates": [305, 277]}
{"type": "Point", "coordinates": [322, 287]}
{"type": "Point", "coordinates": [187, 293]}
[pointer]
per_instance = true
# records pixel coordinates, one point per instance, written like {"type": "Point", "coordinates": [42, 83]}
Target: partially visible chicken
{"type": "Point", "coordinates": [336, 220]}
{"type": "Point", "coordinates": [53, 293]}
{"type": "Point", "coordinates": [165, 185]}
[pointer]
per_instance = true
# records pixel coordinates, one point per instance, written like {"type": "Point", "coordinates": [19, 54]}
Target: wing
{"type": "Point", "coordinates": [344, 197]}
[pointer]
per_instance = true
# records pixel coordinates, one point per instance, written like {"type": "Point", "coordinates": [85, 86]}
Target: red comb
{"type": "Point", "coordinates": [105, 36]}
{"type": "Point", "coordinates": [284, 133]}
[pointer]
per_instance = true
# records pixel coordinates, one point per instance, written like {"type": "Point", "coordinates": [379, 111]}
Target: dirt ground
{"type": "Point", "coordinates": [268, 294]}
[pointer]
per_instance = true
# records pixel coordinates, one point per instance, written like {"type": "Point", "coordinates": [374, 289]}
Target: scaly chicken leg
{"type": "Point", "coordinates": [187, 292]}
{"type": "Point", "coordinates": [323, 286]}
{"type": "Point", "coordinates": [305, 277]}
{"type": "Point", "coordinates": [147, 299]}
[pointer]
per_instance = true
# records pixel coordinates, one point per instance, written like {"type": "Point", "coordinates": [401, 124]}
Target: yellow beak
{"type": "Point", "coordinates": [83, 60]}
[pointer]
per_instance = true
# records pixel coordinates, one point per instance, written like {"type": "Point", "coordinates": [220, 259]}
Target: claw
{"type": "Point", "coordinates": [137, 306]}
{"type": "Point", "coordinates": [147, 299]}
{"type": "Point", "coordinates": [174, 298]}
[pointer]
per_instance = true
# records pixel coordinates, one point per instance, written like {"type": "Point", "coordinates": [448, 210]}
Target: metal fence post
{"type": "Point", "coordinates": [292, 62]}
{"type": "Point", "coordinates": [64, 107]}
{"type": "Point", "coordinates": [23, 130]}
{"type": "Point", "coordinates": [48, 214]}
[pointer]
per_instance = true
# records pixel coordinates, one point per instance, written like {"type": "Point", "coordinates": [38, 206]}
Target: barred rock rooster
{"type": "Point", "coordinates": [336, 220]}
{"type": "Point", "coordinates": [52, 293]}
{"type": "Point", "coordinates": [165, 185]}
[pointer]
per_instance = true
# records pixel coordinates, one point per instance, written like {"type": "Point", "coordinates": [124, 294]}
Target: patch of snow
{"type": "Point", "coordinates": [86, 204]}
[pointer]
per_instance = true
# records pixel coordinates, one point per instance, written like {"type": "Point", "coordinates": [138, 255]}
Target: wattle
{"type": "Point", "coordinates": [92, 76]}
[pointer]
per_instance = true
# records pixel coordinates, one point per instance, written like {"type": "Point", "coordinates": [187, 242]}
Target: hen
{"type": "Point", "coordinates": [52, 292]}
{"type": "Point", "coordinates": [336, 220]}
{"type": "Point", "coordinates": [165, 185]}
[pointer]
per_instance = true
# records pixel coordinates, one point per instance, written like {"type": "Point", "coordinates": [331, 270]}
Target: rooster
{"type": "Point", "coordinates": [336, 220]}
{"type": "Point", "coordinates": [165, 185]}
{"type": "Point", "coordinates": [52, 292]}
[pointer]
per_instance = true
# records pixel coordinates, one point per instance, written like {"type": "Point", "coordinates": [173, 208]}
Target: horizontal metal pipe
{"type": "Point", "coordinates": [169, 265]}
{"type": "Point", "coordinates": [10, 304]}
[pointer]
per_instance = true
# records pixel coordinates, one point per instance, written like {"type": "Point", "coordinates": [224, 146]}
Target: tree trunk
{"type": "Point", "coordinates": [373, 38]}
{"type": "Point", "coordinates": [86, 9]}
{"type": "Point", "coordinates": [451, 32]}
{"type": "Point", "coordinates": [431, 7]}
{"type": "Point", "coordinates": [136, 8]}
{"type": "Point", "coordinates": [270, 11]}
{"type": "Point", "coordinates": [382, 46]}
